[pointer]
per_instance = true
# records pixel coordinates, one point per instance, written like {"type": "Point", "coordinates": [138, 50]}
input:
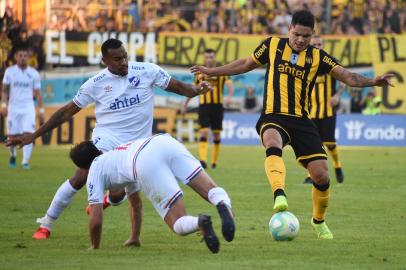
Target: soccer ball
{"type": "Point", "coordinates": [284, 226]}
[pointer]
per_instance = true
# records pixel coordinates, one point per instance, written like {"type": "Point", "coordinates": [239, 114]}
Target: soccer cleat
{"type": "Point", "coordinates": [41, 234]}
{"type": "Point", "coordinates": [26, 166]}
{"type": "Point", "coordinates": [213, 165]}
{"type": "Point", "coordinates": [203, 163]}
{"type": "Point", "coordinates": [105, 204]}
{"type": "Point", "coordinates": [227, 221]}
{"type": "Point", "coordinates": [12, 162]}
{"type": "Point", "coordinates": [339, 175]}
{"type": "Point", "coordinates": [308, 180]}
{"type": "Point", "coordinates": [323, 232]}
{"type": "Point", "coordinates": [208, 233]}
{"type": "Point", "coordinates": [280, 204]}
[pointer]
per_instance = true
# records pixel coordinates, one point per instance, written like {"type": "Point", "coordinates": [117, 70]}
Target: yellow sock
{"type": "Point", "coordinates": [320, 203]}
{"type": "Point", "coordinates": [216, 151]}
{"type": "Point", "coordinates": [334, 154]}
{"type": "Point", "coordinates": [276, 172]}
{"type": "Point", "coordinates": [203, 149]}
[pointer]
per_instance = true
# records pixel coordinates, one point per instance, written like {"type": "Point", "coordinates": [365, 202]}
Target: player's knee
{"type": "Point", "coordinates": [79, 179]}
{"type": "Point", "coordinates": [320, 177]}
{"type": "Point", "coordinates": [217, 141]}
{"type": "Point", "coordinates": [203, 139]}
{"type": "Point", "coordinates": [273, 151]}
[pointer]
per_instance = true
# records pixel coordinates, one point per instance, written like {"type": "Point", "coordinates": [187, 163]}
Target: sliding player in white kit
{"type": "Point", "coordinates": [123, 98]}
{"type": "Point", "coordinates": [20, 84]}
{"type": "Point", "coordinates": [153, 166]}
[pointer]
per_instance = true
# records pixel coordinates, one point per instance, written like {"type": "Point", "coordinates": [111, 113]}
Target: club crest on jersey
{"type": "Point", "coordinates": [108, 88]}
{"type": "Point", "coordinates": [293, 58]}
{"type": "Point", "coordinates": [134, 81]}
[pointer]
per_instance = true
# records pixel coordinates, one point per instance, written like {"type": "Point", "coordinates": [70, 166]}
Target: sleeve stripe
{"type": "Point", "coordinates": [256, 60]}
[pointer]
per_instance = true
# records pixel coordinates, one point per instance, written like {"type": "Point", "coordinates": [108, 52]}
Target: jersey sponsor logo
{"type": "Point", "coordinates": [294, 71]}
{"type": "Point", "coordinates": [260, 51]}
{"type": "Point", "coordinates": [124, 103]}
{"type": "Point", "coordinates": [91, 186]}
{"type": "Point", "coordinates": [134, 81]}
{"type": "Point", "coordinates": [21, 84]}
{"type": "Point", "coordinates": [98, 78]}
{"type": "Point", "coordinates": [108, 88]}
{"type": "Point", "coordinates": [329, 61]}
{"type": "Point", "coordinates": [138, 68]}
{"type": "Point", "coordinates": [293, 58]}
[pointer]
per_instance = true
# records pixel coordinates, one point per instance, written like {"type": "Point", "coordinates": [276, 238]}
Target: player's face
{"type": "Point", "coordinates": [209, 59]}
{"type": "Point", "coordinates": [317, 42]}
{"type": "Point", "coordinates": [117, 61]}
{"type": "Point", "coordinates": [21, 58]}
{"type": "Point", "coordinates": [299, 37]}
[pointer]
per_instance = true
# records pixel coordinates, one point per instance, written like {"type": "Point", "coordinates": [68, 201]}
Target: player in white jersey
{"type": "Point", "coordinates": [153, 165]}
{"type": "Point", "coordinates": [123, 98]}
{"type": "Point", "coordinates": [20, 84]}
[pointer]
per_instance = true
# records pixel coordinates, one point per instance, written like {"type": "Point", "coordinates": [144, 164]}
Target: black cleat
{"type": "Point", "coordinates": [208, 233]}
{"type": "Point", "coordinates": [203, 163]}
{"type": "Point", "coordinates": [308, 180]}
{"type": "Point", "coordinates": [12, 162]}
{"type": "Point", "coordinates": [339, 175]}
{"type": "Point", "coordinates": [213, 165]}
{"type": "Point", "coordinates": [227, 221]}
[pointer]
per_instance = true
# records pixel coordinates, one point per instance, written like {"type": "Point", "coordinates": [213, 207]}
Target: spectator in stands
{"type": "Point", "coordinates": [251, 103]}
{"type": "Point", "coordinates": [372, 103]}
{"type": "Point", "coordinates": [282, 22]}
{"type": "Point", "coordinates": [356, 100]}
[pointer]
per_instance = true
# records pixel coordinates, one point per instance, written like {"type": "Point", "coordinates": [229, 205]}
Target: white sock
{"type": "Point", "coordinates": [186, 225]}
{"type": "Point", "coordinates": [61, 200]}
{"type": "Point", "coordinates": [27, 150]}
{"type": "Point", "coordinates": [13, 151]}
{"type": "Point", "coordinates": [115, 203]}
{"type": "Point", "coordinates": [217, 195]}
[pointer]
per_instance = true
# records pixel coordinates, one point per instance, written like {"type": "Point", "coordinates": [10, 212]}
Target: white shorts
{"type": "Point", "coordinates": [158, 165]}
{"type": "Point", "coordinates": [21, 122]}
{"type": "Point", "coordinates": [106, 141]}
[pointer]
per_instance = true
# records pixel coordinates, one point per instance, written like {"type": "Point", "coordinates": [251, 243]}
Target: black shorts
{"type": "Point", "coordinates": [326, 128]}
{"type": "Point", "coordinates": [211, 116]}
{"type": "Point", "coordinates": [300, 133]}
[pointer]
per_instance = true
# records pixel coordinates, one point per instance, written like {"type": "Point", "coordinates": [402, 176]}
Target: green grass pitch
{"type": "Point", "coordinates": [367, 215]}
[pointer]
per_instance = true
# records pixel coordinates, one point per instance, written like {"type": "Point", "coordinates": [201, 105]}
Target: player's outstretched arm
{"type": "Point", "coordinates": [188, 89]}
{"type": "Point", "coordinates": [95, 224]}
{"type": "Point", "coordinates": [136, 220]}
{"type": "Point", "coordinates": [233, 68]}
{"type": "Point", "coordinates": [357, 80]}
{"type": "Point", "coordinates": [60, 116]}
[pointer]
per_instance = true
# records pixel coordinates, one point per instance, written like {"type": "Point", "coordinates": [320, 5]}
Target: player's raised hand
{"type": "Point", "coordinates": [384, 80]}
{"type": "Point", "coordinates": [20, 140]}
{"type": "Point", "coordinates": [200, 70]}
{"type": "Point", "coordinates": [203, 88]}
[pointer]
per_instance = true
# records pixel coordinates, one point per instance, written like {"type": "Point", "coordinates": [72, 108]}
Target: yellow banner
{"type": "Point", "coordinates": [187, 49]}
{"type": "Point", "coordinates": [389, 56]}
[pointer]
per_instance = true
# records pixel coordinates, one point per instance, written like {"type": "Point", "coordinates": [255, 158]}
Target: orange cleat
{"type": "Point", "coordinates": [105, 204]}
{"type": "Point", "coordinates": [41, 234]}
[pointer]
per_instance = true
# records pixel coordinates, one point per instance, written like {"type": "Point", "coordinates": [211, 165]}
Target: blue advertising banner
{"type": "Point", "coordinates": [351, 129]}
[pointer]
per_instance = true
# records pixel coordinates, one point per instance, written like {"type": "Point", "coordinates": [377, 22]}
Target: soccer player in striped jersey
{"type": "Point", "coordinates": [324, 100]}
{"type": "Point", "coordinates": [292, 69]}
{"type": "Point", "coordinates": [211, 110]}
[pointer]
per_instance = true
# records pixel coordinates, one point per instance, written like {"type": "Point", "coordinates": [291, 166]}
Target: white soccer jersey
{"type": "Point", "coordinates": [22, 83]}
{"type": "Point", "coordinates": [124, 104]}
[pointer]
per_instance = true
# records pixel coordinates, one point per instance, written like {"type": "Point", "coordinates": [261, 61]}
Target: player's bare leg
{"type": "Point", "coordinates": [182, 224]}
{"type": "Point", "coordinates": [61, 200]}
{"type": "Point", "coordinates": [206, 188]}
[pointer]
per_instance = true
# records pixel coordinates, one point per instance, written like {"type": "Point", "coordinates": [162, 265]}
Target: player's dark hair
{"type": "Point", "coordinates": [209, 51]}
{"type": "Point", "coordinates": [84, 153]}
{"type": "Point", "coordinates": [304, 18]}
{"type": "Point", "coordinates": [21, 49]}
{"type": "Point", "coordinates": [111, 43]}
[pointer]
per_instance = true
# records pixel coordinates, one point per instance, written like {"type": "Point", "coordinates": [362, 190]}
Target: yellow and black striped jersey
{"type": "Point", "coordinates": [290, 75]}
{"type": "Point", "coordinates": [215, 96]}
{"type": "Point", "coordinates": [322, 92]}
